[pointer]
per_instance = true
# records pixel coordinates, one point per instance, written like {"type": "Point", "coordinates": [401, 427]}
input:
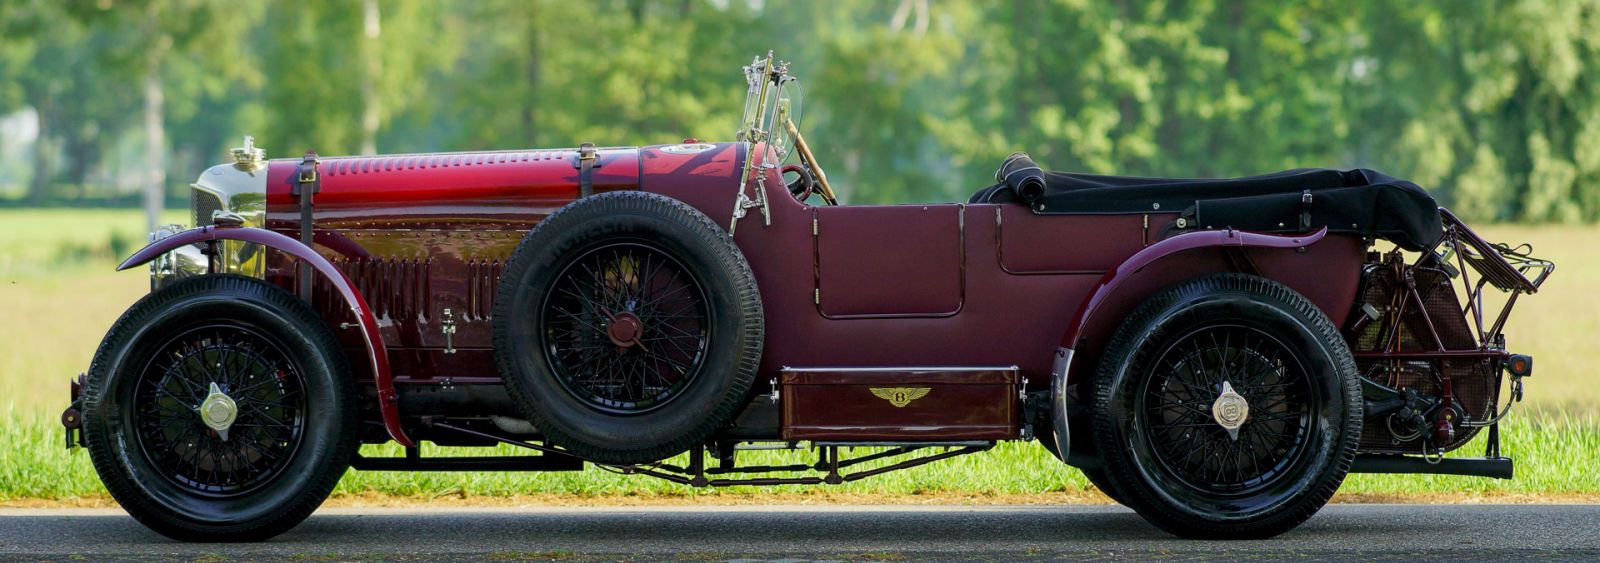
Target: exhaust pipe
{"type": "Point", "coordinates": [1495, 467]}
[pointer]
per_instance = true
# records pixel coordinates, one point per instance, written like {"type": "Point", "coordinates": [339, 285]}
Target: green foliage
{"type": "Point", "coordinates": [1490, 103]}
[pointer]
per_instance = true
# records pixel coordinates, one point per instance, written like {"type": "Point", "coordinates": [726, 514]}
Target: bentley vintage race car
{"type": "Point", "coordinates": [1215, 354]}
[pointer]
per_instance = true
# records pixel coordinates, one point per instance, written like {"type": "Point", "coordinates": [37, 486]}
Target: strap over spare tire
{"type": "Point", "coordinates": [628, 327]}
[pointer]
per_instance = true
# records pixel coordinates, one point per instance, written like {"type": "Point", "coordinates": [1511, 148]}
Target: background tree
{"type": "Point", "coordinates": [155, 44]}
{"type": "Point", "coordinates": [1491, 104]}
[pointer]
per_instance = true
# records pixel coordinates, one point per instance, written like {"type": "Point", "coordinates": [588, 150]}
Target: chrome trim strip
{"type": "Point", "coordinates": [922, 369]}
{"type": "Point", "coordinates": [183, 262]}
{"type": "Point", "coordinates": [1058, 402]}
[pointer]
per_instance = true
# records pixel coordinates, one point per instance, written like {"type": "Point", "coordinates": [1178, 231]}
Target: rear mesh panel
{"type": "Point", "coordinates": [1476, 383]}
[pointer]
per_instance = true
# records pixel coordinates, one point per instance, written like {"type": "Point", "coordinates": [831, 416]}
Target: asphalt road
{"type": "Point", "coordinates": [1382, 532]}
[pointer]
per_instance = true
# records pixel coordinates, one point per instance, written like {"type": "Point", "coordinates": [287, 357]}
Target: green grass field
{"type": "Point", "coordinates": [58, 295]}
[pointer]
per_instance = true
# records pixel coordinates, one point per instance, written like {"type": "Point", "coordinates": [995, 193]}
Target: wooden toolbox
{"type": "Point", "coordinates": [893, 404]}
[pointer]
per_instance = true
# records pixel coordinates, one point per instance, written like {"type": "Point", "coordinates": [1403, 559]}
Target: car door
{"type": "Point", "coordinates": [889, 260]}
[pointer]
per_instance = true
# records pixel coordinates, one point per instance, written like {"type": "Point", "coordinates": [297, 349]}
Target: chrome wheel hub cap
{"type": "Point", "coordinates": [1230, 410]}
{"type": "Point", "coordinates": [218, 411]}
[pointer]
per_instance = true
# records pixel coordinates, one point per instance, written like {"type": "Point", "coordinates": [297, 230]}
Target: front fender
{"type": "Point", "coordinates": [377, 353]}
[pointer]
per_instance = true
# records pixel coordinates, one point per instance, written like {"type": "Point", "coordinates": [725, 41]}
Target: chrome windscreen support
{"type": "Point", "coordinates": [755, 128]}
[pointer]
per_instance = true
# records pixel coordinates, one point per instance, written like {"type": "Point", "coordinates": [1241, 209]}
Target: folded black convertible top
{"type": "Point", "coordinates": [1360, 201]}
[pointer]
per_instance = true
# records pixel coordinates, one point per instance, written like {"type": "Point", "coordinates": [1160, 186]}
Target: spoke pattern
{"type": "Point", "coordinates": [636, 279]}
{"type": "Point", "coordinates": [1175, 409]}
{"type": "Point", "coordinates": [252, 370]}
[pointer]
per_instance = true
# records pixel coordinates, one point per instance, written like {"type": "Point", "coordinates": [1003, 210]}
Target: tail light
{"type": "Point", "coordinates": [1519, 365]}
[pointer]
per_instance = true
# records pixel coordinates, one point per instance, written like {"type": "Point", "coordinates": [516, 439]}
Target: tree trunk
{"type": "Point", "coordinates": [155, 141]}
{"type": "Point", "coordinates": [82, 154]}
{"type": "Point", "coordinates": [43, 166]}
{"type": "Point", "coordinates": [371, 105]}
{"type": "Point", "coordinates": [531, 75]}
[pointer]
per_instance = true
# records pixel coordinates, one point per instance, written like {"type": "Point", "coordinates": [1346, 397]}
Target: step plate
{"type": "Point", "coordinates": [900, 403]}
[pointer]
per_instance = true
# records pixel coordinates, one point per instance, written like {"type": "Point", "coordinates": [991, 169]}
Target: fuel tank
{"type": "Point", "coordinates": [471, 190]}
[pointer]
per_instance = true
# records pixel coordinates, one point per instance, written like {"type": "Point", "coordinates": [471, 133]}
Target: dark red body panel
{"type": "Point", "coordinates": [868, 268]}
{"type": "Point", "coordinates": [892, 286]}
{"type": "Point", "coordinates": [422, 234]}
{"type": "Point", "coordinates": [1014, 312]}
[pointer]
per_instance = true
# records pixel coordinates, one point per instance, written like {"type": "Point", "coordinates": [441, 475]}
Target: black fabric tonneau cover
{"type": "Point", "coordinates": [1360, 201]}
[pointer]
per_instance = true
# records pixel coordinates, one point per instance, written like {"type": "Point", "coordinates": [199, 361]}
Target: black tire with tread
{"type": "Point", "coordinates": [720, 388]}
{"type": "Point", "coordinates": [327, 442]}
{"type": "Point", "coordinates": [1096, 476]}
{"type": "Point", "coordinates": [1195, 303]}
{"type": "Point", "coordinates": [1101, 481]}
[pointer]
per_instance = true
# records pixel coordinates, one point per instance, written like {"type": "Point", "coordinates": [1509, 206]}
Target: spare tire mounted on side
{"type": "Point", "coordinates": [628, 327]}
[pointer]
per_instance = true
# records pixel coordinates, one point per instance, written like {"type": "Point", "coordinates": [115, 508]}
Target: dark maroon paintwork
{"type": "Point", "coordinates": [886, 286]}
{"type": "Point", "coordinates": [986, 315]}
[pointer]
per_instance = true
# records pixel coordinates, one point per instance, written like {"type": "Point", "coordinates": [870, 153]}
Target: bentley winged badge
{"type": "Point", "coordinates": [900, 396]}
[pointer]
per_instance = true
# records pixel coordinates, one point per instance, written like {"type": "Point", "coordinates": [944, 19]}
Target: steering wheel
{"type": "Point", "coordinates": [804, 184]}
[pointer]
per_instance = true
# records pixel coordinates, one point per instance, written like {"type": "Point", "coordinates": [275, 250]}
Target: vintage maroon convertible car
{"type": "Point", "coordinates": [1216, 354]}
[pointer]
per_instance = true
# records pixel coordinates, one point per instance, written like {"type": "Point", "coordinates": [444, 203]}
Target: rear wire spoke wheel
{"type": "Point", "coordinates": [220, 408]}
{"type": "Point", "coordinates": [1226, 407]}
{"type": "Point", "coordinates": [1103, 483]}
{"type": "Point", "coordinates": [1179, 430]}
{"type": "Point", "coordinates": [628, 327]}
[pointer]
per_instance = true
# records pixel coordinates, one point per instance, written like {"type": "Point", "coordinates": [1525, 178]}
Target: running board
{"type": "Point", "coordinates": [546, 462]}
{"type": "Point", "coordinates": [1495, 467]}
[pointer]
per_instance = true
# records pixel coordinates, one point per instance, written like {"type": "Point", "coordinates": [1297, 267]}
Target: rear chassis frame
{"type": "Point", "coordinates": [1458, 254]}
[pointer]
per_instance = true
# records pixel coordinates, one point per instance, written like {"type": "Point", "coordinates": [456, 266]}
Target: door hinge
{"type": "Point", "coordinates": [448, 327]}
{"type": "Point", "coordinates": [813, 225]}
{"type": "Point", "coordinates": [816, 296]}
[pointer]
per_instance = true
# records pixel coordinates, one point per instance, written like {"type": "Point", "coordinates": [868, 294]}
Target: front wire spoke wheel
{"type": "Point", "coordinates": [220, 408]}
{"type": "Point", "coordinates": [237, 368]}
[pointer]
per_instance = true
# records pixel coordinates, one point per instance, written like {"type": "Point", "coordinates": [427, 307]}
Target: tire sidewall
{"type": "Point", "coordinates": [1324, 455]}
{"type": "Point", "coordinates": [562, 239]}
{"type": "Point", "coordinates": [325, 441]}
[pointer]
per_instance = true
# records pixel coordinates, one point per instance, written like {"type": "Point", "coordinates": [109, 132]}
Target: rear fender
{"type": "Point", "coordinates": [377, 353]}
{"type": "Point", "coordinates": [1096, 315]}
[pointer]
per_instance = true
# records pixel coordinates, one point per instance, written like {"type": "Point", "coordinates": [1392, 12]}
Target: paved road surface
{"type": "Point", "coordinates": [1384, 532]}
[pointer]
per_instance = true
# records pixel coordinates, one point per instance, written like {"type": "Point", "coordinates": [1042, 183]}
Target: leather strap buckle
{"type": "Point", "coordinates": [305, 190]}
{"type": "Point", "coordinates": [308, 174]}
{"type": "Point", "coordinates": [586, 165]}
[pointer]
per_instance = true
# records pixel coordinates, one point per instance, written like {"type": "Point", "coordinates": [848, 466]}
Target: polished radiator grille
{"type": "Point", "coordinates": [203, 204]}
